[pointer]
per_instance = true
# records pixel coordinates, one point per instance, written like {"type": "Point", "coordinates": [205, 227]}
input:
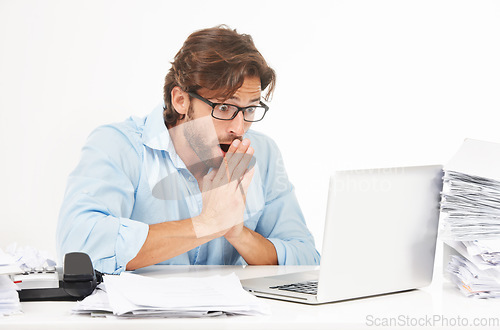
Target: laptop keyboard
{"type": "Point", "coordinates": [309, 287]}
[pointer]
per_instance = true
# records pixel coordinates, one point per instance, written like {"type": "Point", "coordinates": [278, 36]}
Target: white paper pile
{"type": "Point", "coordinates": [9, 298]}
{"type": "Point", "coordinates": [17, 260]}
{"type": "Point", "coordinates": [470, 206]}
{"type": "Point", "coordinates": [470, 221]}
{"type": "Point", "coordinates": [473, 281]}
{"type": "Point", "coordinates": [8, 264]}
{"type": "Point", "coordinates": [131, 295]}
{"type": "Point", "coordinates": [29, 258]}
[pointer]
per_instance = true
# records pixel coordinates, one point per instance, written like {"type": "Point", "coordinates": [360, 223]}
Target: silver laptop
{"type": "Point", "coordinates": [380, 237]}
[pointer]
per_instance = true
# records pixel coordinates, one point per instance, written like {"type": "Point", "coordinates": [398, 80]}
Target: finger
{"type": "Point", "coordinates": [224, 169]}
{"type": "Point", "coordinates": [237, 147]}
{"type": "Point", "coordinates": [239, 160]}
{"type": "Point", "coordinates": [247, 178]}
{"type": "Point", "coordinates": [233, 157]}
{"type": "Point", "coordinates": [234, 145]}
{"type": "Point", "coordinates": [244, 183]}
{"type": "Point", "coordinates": [222, 175]}
{"type": "Point", "coordinates": [243, 164]}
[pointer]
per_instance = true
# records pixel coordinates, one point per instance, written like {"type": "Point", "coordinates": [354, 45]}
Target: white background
{"type": "Point", "coordinates": [360, 84]}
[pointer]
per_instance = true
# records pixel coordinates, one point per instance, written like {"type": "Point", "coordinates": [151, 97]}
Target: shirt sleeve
{"type": "Point", "coordinates": [98, 203]}
{"type": "Point", "coordinates": [282, 221]}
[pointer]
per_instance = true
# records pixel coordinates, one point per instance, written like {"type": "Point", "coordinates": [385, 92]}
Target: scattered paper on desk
{"type": "Point", "coordinates": [131, 295]}
{"type": "Point", "coordinates": [9, 298]}
{"type": "Point", "coordinates": [8, 264]}
{"type": "Point", "coordinates": [15, 261]}
{"type": "Point", "coordinates": [30, 258]}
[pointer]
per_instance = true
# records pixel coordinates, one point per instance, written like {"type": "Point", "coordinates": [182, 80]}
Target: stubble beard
{"type": "Point", "coordinates": [193, 132]}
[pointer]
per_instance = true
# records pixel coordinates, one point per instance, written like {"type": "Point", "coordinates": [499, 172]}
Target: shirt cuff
{"type": "Point", "coordinates": [280, 249]}
{"type": "Point", "coordinates": [131, 237]}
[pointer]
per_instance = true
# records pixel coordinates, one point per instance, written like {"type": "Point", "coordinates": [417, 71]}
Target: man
{"type": "Point", "coordinates": [190, 183]}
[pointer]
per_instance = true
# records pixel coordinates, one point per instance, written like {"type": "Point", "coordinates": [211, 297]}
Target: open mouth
{"type": "Point", "coordinates": [224, 147]}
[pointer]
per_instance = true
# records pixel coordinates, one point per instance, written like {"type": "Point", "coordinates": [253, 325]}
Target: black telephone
{"type": "Point", "coordinates": [77, 280]}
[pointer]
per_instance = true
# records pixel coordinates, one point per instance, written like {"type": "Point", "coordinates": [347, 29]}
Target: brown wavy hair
{"type": "Point", "coordinates": [217, 59]}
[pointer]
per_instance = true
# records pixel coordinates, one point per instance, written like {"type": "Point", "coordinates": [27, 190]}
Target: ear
{"type": "Point", "coordinates": [180, 100]}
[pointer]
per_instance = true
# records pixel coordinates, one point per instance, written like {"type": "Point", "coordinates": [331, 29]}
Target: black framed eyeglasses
{"type": "Point", "coordinates": [223, 111]}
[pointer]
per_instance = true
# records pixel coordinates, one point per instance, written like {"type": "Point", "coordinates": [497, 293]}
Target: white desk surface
{"type": "Point", "coordinates": [437, 306]}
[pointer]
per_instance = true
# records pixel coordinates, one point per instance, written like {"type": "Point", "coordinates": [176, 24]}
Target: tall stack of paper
{"type": "Point", "coordinates": [470, 221]}
{"type": "Point", "coordinates": [131, 295]}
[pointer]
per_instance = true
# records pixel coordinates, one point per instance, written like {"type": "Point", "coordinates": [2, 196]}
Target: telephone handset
{"type": "Point", "coordinates": [77, 280]}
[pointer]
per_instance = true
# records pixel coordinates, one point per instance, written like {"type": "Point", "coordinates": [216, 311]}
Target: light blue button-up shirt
{"type": "Point", "coordinates": [130, 176]}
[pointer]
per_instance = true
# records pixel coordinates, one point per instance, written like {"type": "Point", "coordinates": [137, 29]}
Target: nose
{"type": "Point", "coordinates": [237, 125]}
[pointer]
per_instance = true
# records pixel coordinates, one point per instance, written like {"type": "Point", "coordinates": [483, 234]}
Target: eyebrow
{"type": "Point", "coordinates": [251, 101]}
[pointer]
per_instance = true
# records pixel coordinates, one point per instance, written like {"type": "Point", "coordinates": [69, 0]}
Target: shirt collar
{"type": "Point", "coordinates": [155, 135]}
